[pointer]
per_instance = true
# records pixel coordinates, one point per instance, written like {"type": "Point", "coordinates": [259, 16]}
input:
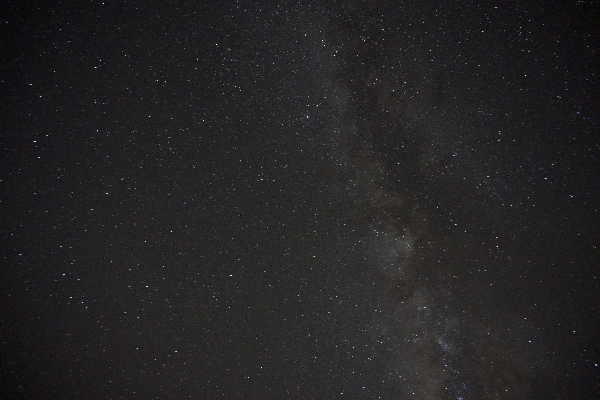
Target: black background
{"type": "Point", "coordinates": [289, 200]}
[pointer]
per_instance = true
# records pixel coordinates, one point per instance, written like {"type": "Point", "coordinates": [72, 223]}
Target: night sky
{"type": "Point", "coordinates": [318, 200]}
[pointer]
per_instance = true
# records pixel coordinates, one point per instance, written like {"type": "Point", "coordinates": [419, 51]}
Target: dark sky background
{"type": "Point", "coordinates": [300, 200]}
